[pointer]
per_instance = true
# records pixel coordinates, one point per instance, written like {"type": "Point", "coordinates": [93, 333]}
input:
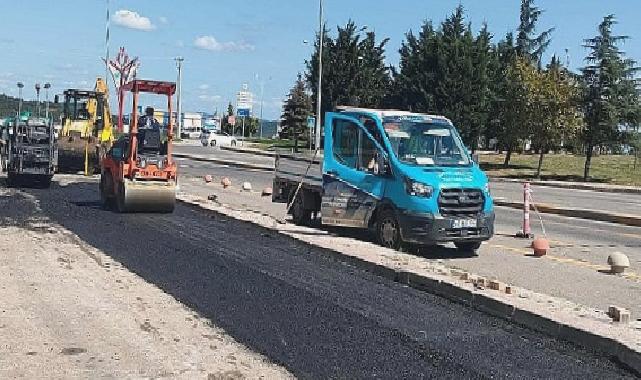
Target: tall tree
{"type": "Point", "coordinates": [611, 96]}
{"type": "Point", "coordinates": [506, 94]}
{"type": "Point", "coordinates": [296, 110]}
{"type": "Point", "coordinates": [354, 69]}
{"type": "Point", "coordinates": [529, 45]}
{"type": "Point", "coordinates": [551, 112]}
{"type": "Point", "coordinates": [447, 71]}
{"type": "Point", "coordinates": [225, 125]}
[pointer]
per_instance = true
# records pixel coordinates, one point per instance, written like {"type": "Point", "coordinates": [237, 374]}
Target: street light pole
{"type": "Point", "coordinates": [179, 123]}
{"type": "Point", "coordinates": [20, 86]}
{"type": "Point", "coordinates": [47, 87]}
{"type": "Point", "coordinates": [262, 97]}
{"type": "Point", "coordinates": [38, 99]}
{"type": "Point", "coordinates": [320, 74]}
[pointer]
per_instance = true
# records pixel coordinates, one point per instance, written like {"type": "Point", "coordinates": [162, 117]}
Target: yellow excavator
{"type": "Point", "coordinates": [87, 129]}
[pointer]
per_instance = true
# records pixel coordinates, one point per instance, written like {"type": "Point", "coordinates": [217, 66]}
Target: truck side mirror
{"type": "Point", "coordinates": [56, 99]}
{"type": "Point", "coordinates": [382, 165]}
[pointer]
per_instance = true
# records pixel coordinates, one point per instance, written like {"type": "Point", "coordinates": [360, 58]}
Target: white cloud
{"type": "Point", "coordinates": [210, 98]}
{"type": "Point", "coordinates": [210, 43]}
{"type": "Point", "coordinates": [203, 87]}
{"type": "Point", "coordinates": [163, 19]}
{"type": "Point", "coordinates": [132, 20]}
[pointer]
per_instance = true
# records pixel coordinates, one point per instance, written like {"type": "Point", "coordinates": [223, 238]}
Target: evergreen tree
{"type": "Point", "coordinates": [529, 45]}
{"type": "Point", "coordinates": [225, 126]}
{"type": "Point", "coordinates": [448, 71]}
{"type": "Point", "coordinates": [611, 96]}
{"type": "Point", "coordinates": [296, 110]}
{"type": "Point", "coordinates": [354, 69]}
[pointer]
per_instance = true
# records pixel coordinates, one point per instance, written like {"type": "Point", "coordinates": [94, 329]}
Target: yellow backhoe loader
{"type": "Point", "coordinates": [87, 129]}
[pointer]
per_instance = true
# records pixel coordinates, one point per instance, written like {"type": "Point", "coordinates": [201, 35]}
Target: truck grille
{"type": "Point", "coordinates": [460, 202]}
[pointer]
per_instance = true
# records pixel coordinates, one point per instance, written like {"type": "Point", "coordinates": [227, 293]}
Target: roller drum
{"type": "Point", "coordinates": [146, 196]}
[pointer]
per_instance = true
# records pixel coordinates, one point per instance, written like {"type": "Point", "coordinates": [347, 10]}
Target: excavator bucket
{"type": "Point", "coordinates": [146, 196]}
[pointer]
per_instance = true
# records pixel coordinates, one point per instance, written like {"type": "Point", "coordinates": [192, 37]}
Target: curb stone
{"type": "Point", "coordinates": [628, 220]}
{"type": "Point", "coordinates": [482, 300]}
{"type": "Point", "coordinates": [572, 185]}
{"type": "Point", "coordinates": [240, 164]}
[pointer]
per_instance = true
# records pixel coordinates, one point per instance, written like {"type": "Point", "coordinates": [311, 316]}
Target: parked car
{"type": "Point", "coordinates": [208, 138]}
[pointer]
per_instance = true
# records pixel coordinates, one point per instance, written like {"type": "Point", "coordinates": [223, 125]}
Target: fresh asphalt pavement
{"type": "Point", "coordinates": [289, 301]}
{"type": "Point", "coordinates": [574, 269]}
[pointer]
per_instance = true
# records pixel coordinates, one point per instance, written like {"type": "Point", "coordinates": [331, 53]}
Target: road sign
{"type": "Point", "coordinates": [311, 122]}
{"type": "Point", "coordinates": [243, 112]}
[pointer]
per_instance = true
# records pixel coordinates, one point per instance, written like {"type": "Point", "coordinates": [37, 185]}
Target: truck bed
{"type": "Point", "coordinates": [290, 170]}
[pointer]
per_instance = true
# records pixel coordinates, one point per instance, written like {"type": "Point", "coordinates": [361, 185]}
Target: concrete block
{"type": "Point", "coordinates": [624, 317]}
{"type": "Point", "coordinates": [496, 285]}
{"type": "Point", "coordinates": [480, 282]}
{"type": "Point", "coordinates": [247, 186]}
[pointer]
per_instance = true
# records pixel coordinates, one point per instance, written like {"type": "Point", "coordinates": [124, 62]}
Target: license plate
{"type": "Point", "coordinates": [464, 223]}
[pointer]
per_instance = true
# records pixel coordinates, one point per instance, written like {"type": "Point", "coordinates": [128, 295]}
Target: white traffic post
{"type": "Point", "coordinates": [526, 210]}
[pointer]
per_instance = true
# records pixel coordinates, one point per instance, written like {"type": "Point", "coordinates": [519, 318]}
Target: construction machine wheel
{"type": "Point", "coordinates": [106, 191]}
{"type": "Point", "coordinates": [141, 196]}
{"type": "Point", "coordinates": [11, 179]}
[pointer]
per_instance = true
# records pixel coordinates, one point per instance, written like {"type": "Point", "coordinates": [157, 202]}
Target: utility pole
{"type": "Point", "coordinates": [320, 74]}
{"type": "Point", "coordinates": [262, 95]}
{"type": "Point", "coordinates": [179, 122]}
{"type": "Point", "coordinates": [20, 86]}
{"type": "Point", "coordinates": [47, 87]}
{"type": "Point", "coordinates": [107, 45]}
{"type": "Point", "coordinates": [38, 99]}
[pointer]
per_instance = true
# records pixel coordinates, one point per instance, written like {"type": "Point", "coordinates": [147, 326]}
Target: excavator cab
{"type": "Point", "coordinates": [83, 113]}
{"type": "Point", "coordinates": [138, 174]}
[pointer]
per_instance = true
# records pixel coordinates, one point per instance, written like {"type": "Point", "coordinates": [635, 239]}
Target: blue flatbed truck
{"type": "Point", "coordinates": [405, 176]}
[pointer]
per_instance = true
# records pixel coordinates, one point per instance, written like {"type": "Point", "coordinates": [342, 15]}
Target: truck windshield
{"type": "Point", "coordinates": [426, 143]}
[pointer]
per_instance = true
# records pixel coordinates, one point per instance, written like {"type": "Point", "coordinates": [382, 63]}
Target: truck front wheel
{"type": "Point", "coordinates": [388, 230]}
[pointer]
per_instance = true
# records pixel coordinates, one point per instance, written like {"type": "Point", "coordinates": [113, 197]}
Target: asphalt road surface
{"type": "Point", "coordinates": [317, 317]}
{"type": "Point", "coordinates": [573, 270]}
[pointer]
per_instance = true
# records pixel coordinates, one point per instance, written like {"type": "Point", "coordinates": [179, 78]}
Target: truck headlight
{"type": "Point", "coordinates": [418, 189]}
{"type": "Point", "coordinates": [486, 188]}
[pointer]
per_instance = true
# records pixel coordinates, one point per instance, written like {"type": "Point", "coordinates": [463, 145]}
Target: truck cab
{"type": "Point", "coordinates": [407, 176]}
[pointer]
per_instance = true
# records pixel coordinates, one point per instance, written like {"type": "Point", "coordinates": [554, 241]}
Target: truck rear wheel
{"type": "Point", "coordinates": [388, 230]}
{"type": "Point", "coordinates": [300, 215]}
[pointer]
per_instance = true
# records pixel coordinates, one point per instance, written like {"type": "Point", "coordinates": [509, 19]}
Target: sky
{"type": "Point", "coordinates": [259, 42]}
